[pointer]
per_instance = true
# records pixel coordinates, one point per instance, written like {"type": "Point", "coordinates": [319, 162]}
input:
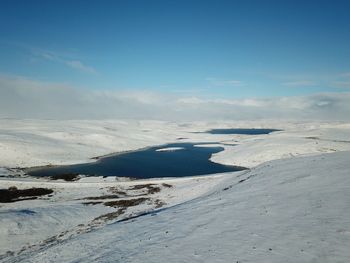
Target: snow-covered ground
{"type": "Point", "coordinates": [72, 208]}
{"type": "Point", "coordinates": [291, 206]}
{"type": "Point", "coordinates": [27, 143]}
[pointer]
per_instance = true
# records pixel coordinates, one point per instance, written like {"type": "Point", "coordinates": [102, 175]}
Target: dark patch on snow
{"type": "Point", "coordinates": [102, 197]}
{"type": "Point", "coordinates": [151, 188]}
{"type": "Point", "coordinates": [14, 195]}
{"type": "Point", "coordinates": [110, 216]}
{"type": "Point", "coordinates": [242, 131]}
{"type": "Point", "coordinates": [67, 177]}
{"type": "Point", "coordinates": [126, 203]}
{"type": "Point", "coordinates": [25, 212]}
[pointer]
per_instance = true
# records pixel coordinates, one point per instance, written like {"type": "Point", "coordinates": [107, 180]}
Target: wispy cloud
{"type": "Point", "coordinates": [225, 82]}
{"type": "Point", "coordinates": [63, 59]}
{"type": "Point", "coordinates": [341, 84]}
{"type": "Point", "coordinates": [345, 75]}
{"type": "Point", "coordinates": [76, 64]}
{"type": "Point", "coordinates": [300, 83]}
{"type": "Point", "coordinates": [26, 98]}
{"type": "Point", "coordinates": [331, 80]}
{"type": "Point", "coordinates": [341, 81]}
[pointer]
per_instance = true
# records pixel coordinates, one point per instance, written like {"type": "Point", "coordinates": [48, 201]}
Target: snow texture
{"type": "Point", "coordinates": [293, 205]}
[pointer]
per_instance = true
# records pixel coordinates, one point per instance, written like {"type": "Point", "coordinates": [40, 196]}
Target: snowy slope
{"type": "Point", "coordinates": [293, 210]}
{"type": "Point", "coordinates": [292, 206]}
{"type": "Point", "coordinates": [27, 225]}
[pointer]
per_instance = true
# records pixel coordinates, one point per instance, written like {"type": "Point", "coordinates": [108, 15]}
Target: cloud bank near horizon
{"type": "Point", "coordinates": [25, 98]}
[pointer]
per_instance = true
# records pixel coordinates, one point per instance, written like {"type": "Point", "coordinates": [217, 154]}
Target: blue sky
{"type": "Point", "coordinates": [211, 49]}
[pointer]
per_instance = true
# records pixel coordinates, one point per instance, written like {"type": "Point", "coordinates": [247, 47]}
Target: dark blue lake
{"type": "Point", "coordinates": [190, 160]}
{"type": "Point", "coordinates": [242, 131]}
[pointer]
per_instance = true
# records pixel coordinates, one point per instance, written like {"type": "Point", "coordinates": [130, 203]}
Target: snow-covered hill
{"type": "Point", "coordinates": [294, 206]}
{"type": "Point", "coordinates": [294, 210]}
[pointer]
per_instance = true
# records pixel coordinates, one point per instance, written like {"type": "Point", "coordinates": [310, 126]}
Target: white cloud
{"type": "Point", "coordinates": [191, 100]}
{"type": "Point", "coordinates": [76, 64]}
{"type": "Point", "coordinates": [64, 59]}
{"type": "Point", "coordinates": [26, 98]}
{"type": "Point", "coordinates": [221, 82]}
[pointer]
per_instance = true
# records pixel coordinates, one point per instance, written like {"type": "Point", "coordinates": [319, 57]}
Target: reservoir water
{"type": "Point", "coordinates": [179, 160]}
{"type": "Point", "coordinates": [242, 131]}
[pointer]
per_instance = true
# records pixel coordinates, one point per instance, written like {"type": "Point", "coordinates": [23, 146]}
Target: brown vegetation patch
{"type": "Point", "coordinates": [102, 197]}
{"type": "Point", "coordinates": [126, 203]}
{"type": "Point", "coordinates": [151, 188]}
{"type": "Point", "coordinates": [312, 138]}
{"type": "Point", "coordinates": [140, 186]}
{"type": "Point", "coordinates": [167, 185]}
{"type": "Point", "coordinates": [116, 190]}
{"type": "Point", "coordinates": [159, 203]}
{"type": "Point", "coordinates": [110, 216]}
{"type": "Point", "coordinates": [13, 194]}
{"type": "Point", "coordinates": [67, 177]}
